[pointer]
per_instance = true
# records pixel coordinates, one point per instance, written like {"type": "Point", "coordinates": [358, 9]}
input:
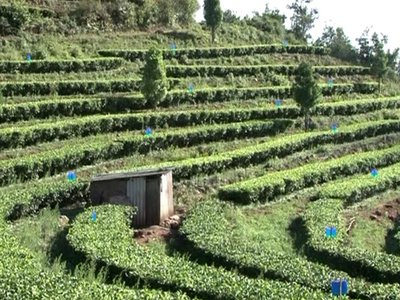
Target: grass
{"type": "Point", "coordinates": [269, 225]}
{"type": "Point", "coordinates": [371, 234]}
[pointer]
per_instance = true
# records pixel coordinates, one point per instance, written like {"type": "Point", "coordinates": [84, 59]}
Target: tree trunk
{"type": "Point", "coordinates": [212, 35]}
{"type": "Point", "coordinates": [305, 122]}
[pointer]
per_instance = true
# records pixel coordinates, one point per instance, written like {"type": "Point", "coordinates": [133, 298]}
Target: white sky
{"type": "Point", "coordinates": [353, 15]}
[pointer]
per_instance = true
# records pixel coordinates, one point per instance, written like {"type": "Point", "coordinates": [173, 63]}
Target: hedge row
{"type": "Point", "coordinates": [267, 187]}
{"type": "Point", "coordinates": [197, 53]}
{"type": "Point", "coordinates": [50, 66]}
{"type": "Point", "coordinates": [373, 265]}
{"type": "Point", "coordinates": [357, 188]}
{"type": "Point", "coordinates": [82, 107]}
{"type": "Point", "coordinates": [29, 135]}
{"type": "Point", "coordinates": [68, 87]}
{"type": "Point", "coordinates": [103, 242]}
{"type": "Point", "coordinates": [221, 95]}
{"type": "Point", "coordinates": [100, 148]}
{"type": "Point", "coordinates": [21, 274]}
{"type": "Point", "coordinates": [71, 87]}
{"type": "Point", "coordinates": [208, 228]}
{"type": "Point", "coordinates": [191, 71]}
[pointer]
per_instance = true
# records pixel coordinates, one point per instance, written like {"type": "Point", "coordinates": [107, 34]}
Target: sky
{"type": "Point", "coordinates": [352, 15]}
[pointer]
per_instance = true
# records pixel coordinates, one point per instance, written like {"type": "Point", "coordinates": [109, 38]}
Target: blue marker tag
{"type": "Point", "coordinates": [285, 43]}
{"type": "Point", "coordinates": [334, 128]}
{"type": "Point", "coordinates": [148, 131]}
{"type": "Point", "coordinates": [94, 216]}
{"type": "Point", "coordinates": [71, 176]}
{"type": "Point", "coordinates": [339, 287]}
{"type": "Point", "coordinates": [278, 102]}
{"type": "Point", "coordinates": [172, 46]}
{"type": "Point", "coordinates": [330, 232]}
{"type": "Point", "coordinates": [191, 88]}
{"type": "Point", "coordinates": [374, 173]}
{"type": "Point", "coordinates": [29, 57]}
{"type": "Point", "coordinates": [330, 82]}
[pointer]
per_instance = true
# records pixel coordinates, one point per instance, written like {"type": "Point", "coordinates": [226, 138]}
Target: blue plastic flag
{"type": "Point", "coordinates": [278, 102]}
{"type": "Point", "coordinates": [29, 57]}
{"type": "Point", "coordinates": [94, 216]}
{"type": "Point", "coordinates": [330, 82]}
{"type": "Point", "coordinates": [374, 173]}
{"type": "Point", "coordinates": [191, 88]}
{"type": "Point", "coordinates": [71, 176]}
{"type": "Point", "coordinates": [285, 43]}
{"type": "Point", "coordinates": [172, 46]}
{"type": "Point", "coordinates": [334, 128]}
{"type": "Point", "coordinates": [339, 287]}
{"type": "Point", "coordinates": [330, 232]}
{"type": "Point", "coordinates": [148, 131]}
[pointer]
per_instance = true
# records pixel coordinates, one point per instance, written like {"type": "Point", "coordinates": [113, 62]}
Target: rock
{"type": "Point", "coordinates": [175, 218]}
{"type": "Point", "coordinates": [374, 217]}
{"type": "Point", "coordinates": [393, 216]}
{"type": "Point", "coordinates": [63, 221]}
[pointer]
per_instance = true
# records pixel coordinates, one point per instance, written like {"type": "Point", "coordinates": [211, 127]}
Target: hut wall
{"type": "Point", "coordinates": [136, 191]}
{"type": "Point", "coordinates": [166, 198]}
{"type": "Point", "coordinates": [153, 200]}
{"type": "Point", "coordinates": [112, 191]}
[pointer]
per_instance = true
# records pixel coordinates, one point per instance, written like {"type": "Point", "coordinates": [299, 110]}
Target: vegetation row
{"type": "Point", "coordinates": [190, 71]}
{"type": "Point", "coordinates": [375, 266]}
{"type": "Point", "coordinates": [104, 242]}
{"type": "Point", "coordinates": [107, 147]}
{"type": "Point", "coordinates": [197, 53]}
{"type": "Point", "coordinates": [207, 227]}
{"type": "Point", "coordinates": [50, 66]}
{"type": "Point", "coordinates": [267, 187]}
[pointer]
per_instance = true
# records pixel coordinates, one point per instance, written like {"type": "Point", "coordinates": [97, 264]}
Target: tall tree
{"type": "Point", "coordinates": [338, 43]}
{"type": "Point", "coordinates": [379, 64]}
{"type": "Point", "coordinates": [212, 15]}
{"type": "Point", "coordinates": [303, 18]}
{"type": "Point", "coordinates": [154, 82]}
{"type": "Point", "coordinates": [364, 48]}
{"type": "Point", "coordinates": [306, 92]}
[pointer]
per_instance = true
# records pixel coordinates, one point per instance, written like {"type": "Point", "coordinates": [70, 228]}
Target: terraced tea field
{"type": "Point", "coordinates": [256, 191]}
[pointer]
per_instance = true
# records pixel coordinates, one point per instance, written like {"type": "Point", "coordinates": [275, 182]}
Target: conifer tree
{"type": "Point", "coordinates": [213, 16]}
{"type": "Point", "coordinates": [154, 83]}
{"type": "Point", "coordinates": [306, 91]}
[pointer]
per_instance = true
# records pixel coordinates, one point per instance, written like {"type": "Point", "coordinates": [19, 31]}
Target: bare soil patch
{"type": "Point", "coordinates": [165, 231]}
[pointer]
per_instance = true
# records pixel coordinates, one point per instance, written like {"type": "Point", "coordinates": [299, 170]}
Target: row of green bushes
{"type": "Point", "coordinates": [50, 66]}
{"type": "Point", "coordinates": [177, 97]}
{"type": "Point", "coordinates": [82, 107]}
{"type": "Point", "coordinates": [218, 52]}
{"type": "Point", "coordinates": [191, 71]}
{"type": "Point", "coordinates": [267, 187]}
{"type": "Point", "coordinates": [22, 275]}
{"type": "Point", "coordinates": [281, 182]}
{"type": "Point", "coordinates": [104, 242]}
{"type": "Point", "coordinates": [68, 87]}
{"type": "Point", "coordinates": [91, 125]}
{"type": "Point", "coordinates": [78, 153]}
{"type": "Point", "coordinates": [357, 188]}
{"type": "Point", "coordinates": [207, 226]}
{"type": "Point", "coordinates": [373, 265]}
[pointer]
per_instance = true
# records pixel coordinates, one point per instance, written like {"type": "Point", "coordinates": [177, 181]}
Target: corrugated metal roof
{"type": "Point", "coordinates": [141, 173]}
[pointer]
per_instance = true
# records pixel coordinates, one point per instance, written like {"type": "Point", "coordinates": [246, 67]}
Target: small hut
{"type": "Point", "coordinates": [149, 190]}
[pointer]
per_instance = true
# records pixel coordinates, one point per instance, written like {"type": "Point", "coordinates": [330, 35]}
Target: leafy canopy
{"type": "Point", "coordinates": [212, 15]}
{"type": "Point", "coordinates": [154, 83]}
{"type": "Point", "coordinates": [306, 92]}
